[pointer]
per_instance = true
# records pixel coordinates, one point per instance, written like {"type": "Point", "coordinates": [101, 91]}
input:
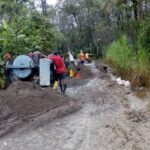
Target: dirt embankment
{"type": "Point", "coordinates": [23, 102]}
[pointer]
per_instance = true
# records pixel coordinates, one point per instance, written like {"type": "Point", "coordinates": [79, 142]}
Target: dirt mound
{"type": "Point", "coordinates": [86, 72]}
{"type": "Point", "coordinates": [23, 102]}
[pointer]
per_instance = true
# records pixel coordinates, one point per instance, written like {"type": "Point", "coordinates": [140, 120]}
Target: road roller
{"type": "Point", "coordinates": [24, 68]}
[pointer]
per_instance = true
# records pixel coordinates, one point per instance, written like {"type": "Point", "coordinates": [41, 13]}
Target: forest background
{"type": "Point", "coordinates": [116, 30]}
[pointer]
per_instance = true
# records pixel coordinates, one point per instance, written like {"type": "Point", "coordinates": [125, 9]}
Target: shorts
{"type": "Point", "coordinates": [62, 76]}
{"type": "Point", "coordinates": [82, 62]}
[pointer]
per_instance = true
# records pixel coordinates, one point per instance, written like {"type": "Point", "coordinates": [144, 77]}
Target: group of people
{"type": "Point", "coordinates": [87, 57]}
{"type": "Point", "coordinates": [58, 68]}
{"type": "Point", "coordinates": [61, 67]}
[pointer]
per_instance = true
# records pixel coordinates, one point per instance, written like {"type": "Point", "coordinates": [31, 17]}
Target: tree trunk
{"type": "Point", "coordinates": [135, 9]}
{"type": "Point", "coordinates": [44, 8]}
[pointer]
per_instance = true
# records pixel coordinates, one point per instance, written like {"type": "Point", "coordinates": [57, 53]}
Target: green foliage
{"type": "Point", "coordinates": [25, 34]}
{"type": "Point", "coordinates": [94, 24]}
{"type": "Point", "coordinates": [23, 29]}
{"type": "Point", "coordinates": [129, 63]}
{"type": "Point", "coordinates": [142, 63]}
{"type": "Point", "coordinates": [88, 25]}
{"type": "Point", "coordinates": [120, 53]}
{"type": "Point", "coordinates": [2, 78]}
{"type": "Point", "coordinates": [2, 83]}
{"type": "Point", "coordinates": [145, 36]}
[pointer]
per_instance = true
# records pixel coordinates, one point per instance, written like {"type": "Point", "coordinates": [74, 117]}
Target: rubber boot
{"type": "Point", "coordinates": [71, 73]}
{"type": "Point", "coordinates": [64, 88]}
{"type": "Point", "coordinates": [61, 87]}
{"type": "Point", "coordinates": [55, 87]}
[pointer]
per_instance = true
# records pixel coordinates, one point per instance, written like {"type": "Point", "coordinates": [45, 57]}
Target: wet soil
{"type": "Point", "coordinates": [23, 102]}
{"type": "Point", "coordinates": [112, 118]}
{"type": "Point", "coordinates": [85, 75]}
{"type": "Point", "coordinates": [86, 72]}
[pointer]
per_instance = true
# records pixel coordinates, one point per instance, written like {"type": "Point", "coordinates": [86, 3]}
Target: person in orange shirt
{"type": "Point", "coordinates": [81, 57]}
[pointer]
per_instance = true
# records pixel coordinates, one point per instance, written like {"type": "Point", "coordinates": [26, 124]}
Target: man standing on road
{"type": "Point", "coordinates": [72, 67]}
{"type": "Point", "coordinates": [60, 70]}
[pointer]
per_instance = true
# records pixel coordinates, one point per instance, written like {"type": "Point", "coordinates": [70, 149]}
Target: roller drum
{"type": "Point", "coordinates": [22, 66]}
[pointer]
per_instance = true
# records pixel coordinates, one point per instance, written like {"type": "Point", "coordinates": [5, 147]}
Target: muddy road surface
{"type": "Point", "coordinates": [111, 118]}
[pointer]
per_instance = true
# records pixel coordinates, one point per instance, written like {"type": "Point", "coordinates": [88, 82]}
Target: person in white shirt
{"type": "Point", "coordinates": [71, 58]}
{"type": "Point", "coordinates": [72, 67]}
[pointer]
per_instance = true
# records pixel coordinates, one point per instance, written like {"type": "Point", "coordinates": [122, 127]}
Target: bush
{"type": "Point", "coordinates": [2, 79]}
{"type": "Point", "coordinates": [2, 83]}
{"type": "Point", "coordinates": [129, 63]}
{"type": "Point", "coordinates": [120, 54]}
{"type": "Point", "coordinates": [145, 37]}
{"type": "Point", "coordinates": [2, 76]}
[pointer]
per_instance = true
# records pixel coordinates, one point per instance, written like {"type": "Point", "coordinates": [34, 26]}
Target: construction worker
{"type": "Point", "coordinates": [7, 62]}
{"type": "Point", "coordinates": [7, 58]}
{"type": "Point", "coordinates": [60, 70]}
{"type": "Point", "coordinates": [36, 55]}
{"type": "Point", "coordinates": [72, 68]}
{"type": "Point", "coordinates": [86, 56]}
{"type": "Point", "coordinates": [71, 58]}
{"type": "Point", "coordinates": [66, 60]}
{"type": "Point", "coordinates": [81, 57]}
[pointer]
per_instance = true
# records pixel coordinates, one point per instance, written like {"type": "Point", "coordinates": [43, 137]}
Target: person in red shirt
{"type": "Point", "coordinates": [60, 70]}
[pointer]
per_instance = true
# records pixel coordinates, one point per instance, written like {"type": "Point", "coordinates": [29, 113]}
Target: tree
{"type": "Point", "coordinates": [93, 24]}
{"type": "Point", "coordinates": [44, 7]}
{"type": "Point", "coordinates": [23, 28]}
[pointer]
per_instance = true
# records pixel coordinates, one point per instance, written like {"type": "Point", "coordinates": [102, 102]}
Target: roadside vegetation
{"type": "Point", "coordinates": [130, 63]}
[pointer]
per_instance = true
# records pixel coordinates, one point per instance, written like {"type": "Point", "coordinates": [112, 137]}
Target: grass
{"type": "Point", "coordinates": [130, 65]}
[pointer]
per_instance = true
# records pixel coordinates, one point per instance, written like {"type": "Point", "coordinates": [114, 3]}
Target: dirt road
{"type": "Point", "coordinates": [111, 118]}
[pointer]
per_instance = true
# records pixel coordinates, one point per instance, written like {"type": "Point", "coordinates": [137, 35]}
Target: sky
{"type": "Point", "coordinates": [52, 2]}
